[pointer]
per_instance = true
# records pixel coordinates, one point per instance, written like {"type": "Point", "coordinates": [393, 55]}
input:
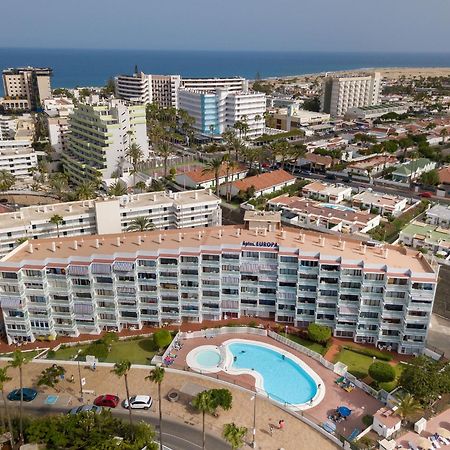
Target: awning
{"type": "Point", "coordinates": [78, 270]}
{"type": "Point", "coordinates": [10, 302]}
{"type": "Point", "coordinates": [123, 266]}
{"type": "Point", "coordinates": [344, 411]}
{"type": "Point", "coordinates": [102, 269]}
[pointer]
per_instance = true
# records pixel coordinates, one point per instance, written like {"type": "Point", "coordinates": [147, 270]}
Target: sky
{"type": "Point", "coordinates": [276, 25]}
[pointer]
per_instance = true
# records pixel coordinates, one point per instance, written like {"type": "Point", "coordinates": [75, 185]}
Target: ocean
{"type": "Point", "coordinates": [81, 67]}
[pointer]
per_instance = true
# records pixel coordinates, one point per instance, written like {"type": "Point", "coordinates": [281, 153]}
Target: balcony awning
{"type": "Point", "coordinates": [123, 266]}
{"type": "Point", "coordinates": [102, 269]}
{"type": "Point", "coordinates": [78, 270]}
{"type": "Point", "coordinates": [10, 302]}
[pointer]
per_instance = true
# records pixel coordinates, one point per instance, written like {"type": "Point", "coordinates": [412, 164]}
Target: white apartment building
{"type": "Point", "coordinates": [384, 204]}
{"type": "Point", "coordinates": [110, 215]}
{"type": "Point", "coordinates": [8, 127]}
{"type": "Point", "coordinates": [332, 193]}
{"type": "Point", "coordinates": [216, 111]}
{"type": "Point", "coordinates": [58, 131]}
{"type": "Point", "coordinates": [68, 286]}
{"type": "Point", "coordinates": [100, 134]}
{"type": "Point", "coordinates": [439, 215]}
{"type": "Point", "coordinates": [341, 93]}
{"type": "Point", "coordinates": [58, 106]}
{"type": "Point", "coordinates": [17, 157]}
{"type": "Point", "coordinates": [29, 85]}
{"type": "Point", "coordinates": [232, 84]}
{"type": "Point", "coordinates": [17, 127]}
{"type": "Point", "coordinates": [375, 111]}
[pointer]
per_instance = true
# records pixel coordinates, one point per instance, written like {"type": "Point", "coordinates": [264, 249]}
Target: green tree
{"type": "Point", "coordinates": [117, 189]}
{"type": "Point", "coordinates": [140, 224]}
{"type": "Point", "coordinates": [382, 372]}
{"type": "Point", "coordinates": [110, 337]}
{"type": "Point", "coordinates": [140, 186]}
{"type": "Point", "coordinates": [56, 220]}
{"type": "Point", "coordinates": [162, 338]}
{"type": "Point", "coordinates": [164, 150]}
{"type": "Point", "coordinates": [86, 191]}
{"type": "Point", "coordinates": [59, 184]}
{"type": "Point", "coordinates": [18, 362]}
{"type": "Point", "coordinates": [203, 403]}
{"type": "Point", "coordinates": [7, 180]}
{"type": "Point", "coordinates": [121, 369]}
{"type": "Point", "coordinates": [312, 104]}
{"type": "Point", "coordinates": [430, 178]}
{"type": "Point", "coordinates": [214, 166]}
{"type": "Point", "coordinates": [234, 435]}
{"type": "Point", "coordinates": [135, 156]}
{"type": "Point", "coordinates": [319, 333]}
{"type": "Point", "coordinates": [4, 378]}
{"type": "Point", "coordinates": [157, 376]}
{"type": "Point", "coordinates": [51, 376]}
{"type": "Point", "coordinates": [221, 398]}
{"type": "Point", "coordinates": [407, 406]}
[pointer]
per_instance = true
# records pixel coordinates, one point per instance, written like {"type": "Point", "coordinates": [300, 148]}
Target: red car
{"type": "Point", "coordinates": [107, 400]}
{"type": "Point", "coordinates": [426, 194]}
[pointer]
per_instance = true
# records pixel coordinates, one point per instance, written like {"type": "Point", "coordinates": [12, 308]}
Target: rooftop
{"type": "Point", "coordinates": [424, 231]}
{"type": "Point", "coordinates": [373, 198]}
{"type": "Point", "coordinates": [442, 211]}
{"type": "Point", "coordinates": [264, 180]}
{"type": "Point", "coordinates": [372, 161]}
{"type": "Point", "coordinates": [412, 166]}
{"type": "Point", "coordinates": [202, 176]}
{"type": "Point", "coordinates": [444, 175]}
{"type": "Point", "coordinates": [324, 188]}
{"type": "Point", "coordinates": [387, 417]}
{"type": "Point", "coordinates": [151, 243]}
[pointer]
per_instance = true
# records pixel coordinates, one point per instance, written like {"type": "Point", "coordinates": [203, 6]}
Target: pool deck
{"type": "Point", "coordinates": [358, 401]}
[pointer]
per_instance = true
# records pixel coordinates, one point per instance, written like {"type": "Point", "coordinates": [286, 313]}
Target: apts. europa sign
{"type": "Point", "coordinates": [260, 244]}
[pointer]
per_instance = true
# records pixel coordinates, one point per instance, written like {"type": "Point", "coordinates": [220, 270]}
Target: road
{"type": "Point", "coordinates": [176, 435]}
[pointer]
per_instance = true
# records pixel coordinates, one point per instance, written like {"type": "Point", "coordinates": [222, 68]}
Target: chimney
{"type": "Point", "coordinates": [195, 195]}
{"type": "Point", "coordinates": [154, 197]}
{"type": "Point", "coordinates": [75, 245]}
{"type": "Point", "coordinates": [386, 253]}
{"type": "Point", "coordinates": [264, 231]}
{"type": "Point", "coordinates": [180, 237]}
{"type": "Point", "coordinates": [45, 208]}
{"type": "Point", "coordinates": [97, 243]}
{"type": "Point", "coordinates": [238, 232]}
{"type": "Point", "coordinates": [118, 241]}
{"type": "Point", "coordinates": [53, 247]}
{"type": "Point", "coordinates": [70, 208]}
{"type": "Point", "coordinates": [159, 239]}
{"type": "Point", "coordinates": [364, 248]}
{"type": "Point", "coordinates": [199, 235]}
{"type": "Point", "coordinates": [343, 245]}
{"type": "Point", "coordinates": [283, 235]}
{"type": "Point", "coordinates": [30, 248]}
{"type": "Point", "coordinates": [322, 241]}
{"type": "Point", "coordinates": [256, 231]}
{"type": "Point", "coordinates": [220, 234]}
{"type": "Point", "coordinates": [139, 240]}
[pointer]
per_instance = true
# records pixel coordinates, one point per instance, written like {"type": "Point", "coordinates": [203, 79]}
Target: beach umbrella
{"type": "Point", "coordinates": [344, 411]}
{"type": "Point", "coordinates": [443, 432]}
{"type": "Point", "coordinates": [425, 443]}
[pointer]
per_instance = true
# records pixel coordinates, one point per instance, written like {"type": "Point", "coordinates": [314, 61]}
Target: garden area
{"type": "Point", "coordinates": [314, 346]}
{"type": "Point", "coordinates": [360, 360]}
{"type": "Point", "coordinates": [109, 349]}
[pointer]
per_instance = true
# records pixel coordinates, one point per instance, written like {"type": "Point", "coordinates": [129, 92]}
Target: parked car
{"type": "Point", "coordinates": [86, 408]}
{"type": "Point", "coordinates": [107, 400]}
{"type": "Point", "coordinates": [426, 194]}
{"type": "Point", "coordinates": [28, 395]}
{"type": "Point", "coordinates": [138, 402]}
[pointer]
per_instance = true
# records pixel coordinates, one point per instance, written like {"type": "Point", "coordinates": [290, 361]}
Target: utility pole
{"type": "Point", "coordinates": [254, 421]}
{"type": "Point", "coordinates": [81, 383]}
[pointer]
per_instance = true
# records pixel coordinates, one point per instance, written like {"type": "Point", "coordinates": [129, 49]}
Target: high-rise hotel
{"type": "Point", "coordinates": [68, 286]}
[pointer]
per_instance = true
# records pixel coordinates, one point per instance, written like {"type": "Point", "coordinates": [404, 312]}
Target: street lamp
{"type": "Point", "coordinates": [253, 399]}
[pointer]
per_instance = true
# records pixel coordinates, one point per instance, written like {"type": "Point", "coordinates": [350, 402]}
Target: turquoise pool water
{"type": "Point", "coordinates": [208, 358]}
{"type": "Point", "coordinates": [338, 207]}
{"type": "Point", "coordinates": [284, 379]}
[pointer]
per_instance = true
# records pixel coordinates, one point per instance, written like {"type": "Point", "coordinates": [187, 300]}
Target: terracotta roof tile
{"type": "Point", "coordinates": [264, 180]}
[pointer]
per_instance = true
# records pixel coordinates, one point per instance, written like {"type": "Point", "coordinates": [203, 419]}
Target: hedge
{"type": "Point", "coordinates": [369, 352]}
{"type": "Point", "coordinates": [382, 372]}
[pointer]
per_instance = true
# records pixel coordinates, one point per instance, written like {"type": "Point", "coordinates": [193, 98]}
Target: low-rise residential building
{"type": "Point", "coordinates": [371, 166]}
{"type": "Point", "coordinates": [444, 175]}
{"type": "Point", "coordinates": [386, 422]}
{"type": "Point", "coordinates": [199, 178]}
{"type": "Point", "coordinates": [330, 193]}
{"type": "Point", "coordinates": [293, 117]}
{"type": "Point", "coordinates": [427, 237]}
{"type": "Point", "coordinates": [384, 204]}
{"type": "Point", "coordinates": [307, 213]}
{"type": "Point", "coordinates": [379, 295]}
{"type": "Point", "coordinates": [17, 157]}
{"type": "Point", "coordinates": [312, 162]}
{"type": "Point", "coordinates": [110, 215]}
{"type": "Point", "coordinates": [264, 183]}
{"type": "Point", "coordinates": [328, 144]}
{"type": "Point", "coordinates": [58, 106]}
{"type": "Point", "coordinates": [439, 215]}
{"type": "Point", "coordinates": [412, 170]}
{"type": "Point", "coordinates": [375, 111]}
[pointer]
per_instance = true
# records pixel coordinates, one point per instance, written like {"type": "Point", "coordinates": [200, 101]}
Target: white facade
{"type": "Point", "coordinates": [216, 111]}
{"type": "Point", "coordinates": [374, 111]}
{"type": "Point", "coordinates": [112, 215]}
{"type": "Point", "coordinates": [58, 106]}
{"type": "Point", "coordinates": [8, 127]}
{"type": "Point", "coordinates": [17, 157]}
{"type": "Point", "coordinates": [232, 84]}
{"type": "Point", "coordinates": [332, 193]}
{"type": "Point", "coordinates": [384, 204]}
{"type": "Point", "coordinates": [100, 135]}
{"type": "Point", "coordinates": [58, 131]}
{"type": "Point", "coordinates": [342, 93]}
{"type": "Point", "coordinates": [439, 215]}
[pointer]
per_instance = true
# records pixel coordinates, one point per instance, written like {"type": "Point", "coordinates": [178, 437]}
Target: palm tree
{"type": "Point", "coordinates": [407, 407]}
{"type": "Point", "coordinates": [57, 220]}
{"type": "Point", "coordinates": [121, 369]}
{"type": "Point", "coordinates": [117, 188]}
{"type": "Point", "coordinates": [157, 376]}
{"type": "Point", "coordinates": [164, 151]}
{"type": "Point", "coordinates": [214, 165]}
{"type": "Point", "coordinates": [203, 403]}
{"type": "Point", "coordinates": [135, 154]}
{"type": "Point", "coordinates": [7, 180]}
{"type": "Point", "coordinates": [59, 183]}
{"type": "Point", "coordinates": [4, 378]}
{"type": "Point", "coordinates": [234, 435]}
{"type": "Point", "coordinates": [18, 361]}
{"type": "Point", "coordinates": [141, 186]}
{"type": "Point", "coordinates": [140, 224]}
{"type": "Point", "coordinates": [231, 166]}
{"type": "Point", "coordinates": [86, 191]}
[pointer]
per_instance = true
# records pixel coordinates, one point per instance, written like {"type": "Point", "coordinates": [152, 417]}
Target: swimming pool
{"type": "Point", "coordinates": [278, 374]}
{"type": "Point", "coordinates": [338, 207]}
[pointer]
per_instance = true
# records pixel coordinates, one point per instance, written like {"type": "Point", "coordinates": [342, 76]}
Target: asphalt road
{"type": "Point", "coordinates": [176, 435]}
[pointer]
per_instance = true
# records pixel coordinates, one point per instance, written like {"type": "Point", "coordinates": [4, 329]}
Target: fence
{"type": "Point", "coordinates": [212, 332]}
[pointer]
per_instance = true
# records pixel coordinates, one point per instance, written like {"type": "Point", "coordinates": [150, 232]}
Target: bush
{"type": "Point", "coordinates": [382, 372]}
{"type": "Point", "coordinates": [51, 354]}
{"type": "Point", "coordinates": [98, 349]}
{"type": "Point", "coordinates": [162, 338]}
{"type": "Point", "coordinates": [367, 420]}
{"type": "Point", "coordinates": [369, 352]}
{"type": "Point", "coordinates": [319, 333]}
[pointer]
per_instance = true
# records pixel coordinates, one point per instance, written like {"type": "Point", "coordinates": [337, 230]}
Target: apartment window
{"type": "Point", "coordinates": [168, 261]}
{"type": "Point", "coordinates": [230, 256]}
{"type": "Point", "coordinates": [210, 257]}
{"type": "Point", "coordinates": [398, 281]}
{"type": "Point", "coordinates": [211, 269]}
{"type": "Point", "coordinates": [9, 275]}
{"type": "Point", "coordinates": [265, 255]}
{"type": "Point", "coordinates": [146, 263]}
{"type": "Point", "coordinates": [374, 277]}
{"type": "Point", "coordinates": [189, 259]}
{"type": "Point", "coordinates": [307, 263]}
{"type": "Point", "coordinates": [254, 255]}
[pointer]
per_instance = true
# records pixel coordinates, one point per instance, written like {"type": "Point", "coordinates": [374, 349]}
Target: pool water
{"type": "Point", "coordinates": [284, 379]}
{"type": "Point", "coordinates": [208, 358]}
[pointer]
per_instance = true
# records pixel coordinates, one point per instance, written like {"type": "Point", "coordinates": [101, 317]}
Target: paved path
{"type": "Point", "coordinates": [439, 334]}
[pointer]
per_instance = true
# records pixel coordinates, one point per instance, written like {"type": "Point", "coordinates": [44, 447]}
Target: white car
{"type": "Point", "coordinates": [138, 402]}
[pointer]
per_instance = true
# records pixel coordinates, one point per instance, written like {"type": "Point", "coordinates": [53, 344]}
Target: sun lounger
{"type": "Point", "coordinates": [443, 440]}
{"type": "Point", "coordinates": [413, 446]}
{"type": "Point", "coordinates": [434, 441]}
{"type": "Point", "coordinates": [354, 434]}
{"type": "Point", "coordinates": [340, 380]}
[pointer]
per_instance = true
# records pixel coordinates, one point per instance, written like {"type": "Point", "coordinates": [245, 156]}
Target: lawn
{"type": "Point", "coordinates": [29, 355]}
{"type": "Point", "coordinates": [358, 365]}
{"type": "Point", "coordinates": [314, 346]}
{"type": "Point", "coordinates": [137, 351]}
